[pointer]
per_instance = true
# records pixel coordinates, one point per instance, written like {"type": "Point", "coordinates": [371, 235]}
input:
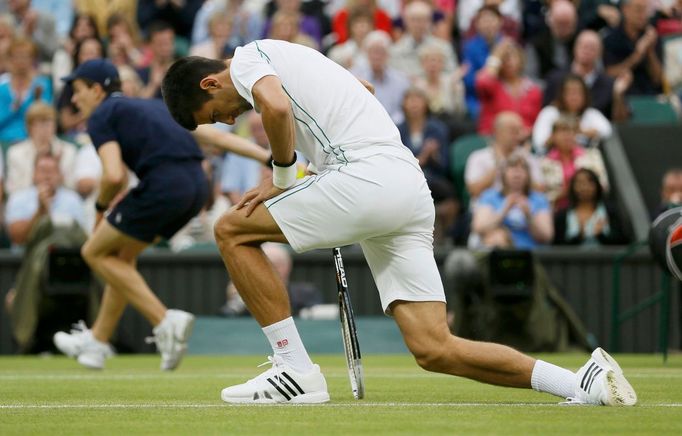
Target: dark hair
{"type": "Point", "coordinates": [489, 8]}
{"type": "Point", "coordinates": [599, 190]}
{"type": "Point", "coordinates": [560, 103]}
{"type": "Point", "coordinates": [114, 86]}
{"type": "Point", "coordinates": [158, 27]}
{"type": "Point", "coordinates": [181, 91]}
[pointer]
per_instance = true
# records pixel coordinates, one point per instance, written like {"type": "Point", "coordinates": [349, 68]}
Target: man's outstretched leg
{"type": "Point", "coordinates": [426, 334]}
{"type": "Point", "coordinates": [293, 377]}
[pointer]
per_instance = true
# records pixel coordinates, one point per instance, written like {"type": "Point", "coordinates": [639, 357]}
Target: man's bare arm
{"type": "Point", "coordinates": [206, 134]}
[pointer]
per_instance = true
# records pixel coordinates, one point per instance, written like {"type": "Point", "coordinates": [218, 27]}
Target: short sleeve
{"type": "Point", "coordinates": [489, 198]}
{"type": "Point", "coordinates": [20, 207]}
{"type": "Point", "coordinates": [100, 126]}
{"type": "Point", "coordinates": [539, 203]}
{"type": "Point", "coordinates": [250, 64]}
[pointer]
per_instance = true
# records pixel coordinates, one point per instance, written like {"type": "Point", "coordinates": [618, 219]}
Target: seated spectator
{"type": "Point", "coordinates": [349, 53]}
{"type": "Point", "coordinates": [427, 138]}
{"type": "Point", "coordinates": [220, 44]}
{"type": "Point", "coordinates": [552, 48]}
{"type": "Point", "coordinates": [510, 10]}
{"type": "Point", "coordinates": [7, 35]}
{"type": "Point", "coordinates": [564, 157]}
{"type": "Point", "coordinates": [307, 25]}
{"type": "Point", "coordinates": [47, 197]}
{"type": "Point", "coordinates": [161, 46]}
{"type": "Point", "coordinates": [418, 32]}
{"type": "Point", "coordinates": [573, 100]}
{"type": "Point", "coordinates": [477, 48]}
{"type": "Point", "coordinates": [635, 47]}
{"type": "Point", "coordinates": [389, 84]}
{"type": "Point", "coordinates": [671, 191]}
{"type": "Point", "coordinates": [41, 123]}
{"type": "Point", "coordinates": [587, 220]}
{"type": "Point", "coordinates": [37, 26]}
{"type": "Point", "coordinates": [285, 26]}
{"type": "Point", "coordinates": [607, 95]}
{"type": "Point", "coordinates": [247, 20]}
{"type": "Point", "coordinates": [123, 46]}
{"type": "Point", "coordinates": [445, 91]}
{"type": "Point", "coordinates": [482, 169]}
{"type": "Point", "coordinates": [501, 86]}
{"type": "Point", "coordinates": [380, 20]}
{"type": "Point", "coordinates": [514, 216]}
{"type": "Point", "coordinates": [131, 84]}
{"type": "Point", "coordinates": [20, 89]}
{"type": "Point", "coordinates": [83, 27]}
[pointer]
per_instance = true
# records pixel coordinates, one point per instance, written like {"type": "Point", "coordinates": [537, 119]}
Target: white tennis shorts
{"type": "Point", "coordinates": [382, 203]}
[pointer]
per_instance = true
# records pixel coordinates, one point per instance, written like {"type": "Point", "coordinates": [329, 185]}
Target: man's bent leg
{"type": "Point", "coordinates": [426, 334]}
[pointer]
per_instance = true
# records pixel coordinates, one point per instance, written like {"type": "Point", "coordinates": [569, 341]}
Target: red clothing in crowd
{"type": "Point", "coordinates": [340, 23]}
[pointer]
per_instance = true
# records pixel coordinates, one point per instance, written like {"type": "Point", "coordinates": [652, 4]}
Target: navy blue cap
{"type": "Point", "coordinates": [98, 70]}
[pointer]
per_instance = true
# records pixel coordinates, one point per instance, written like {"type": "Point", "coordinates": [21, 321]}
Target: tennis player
{"type": "Point", "coordinates": [142, 136]}
{"type": "Point", "coordinates": [367, 189]}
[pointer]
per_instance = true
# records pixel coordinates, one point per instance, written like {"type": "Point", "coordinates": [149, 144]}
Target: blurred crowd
{"type": "Point", "coordinates": [505, 103]}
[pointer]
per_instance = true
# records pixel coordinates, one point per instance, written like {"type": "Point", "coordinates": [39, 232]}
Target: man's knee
{"type": "Point", "coordinates": [432, 356]}
{"type": "Point", "coordinates": [88, 253]}
{"type": "Point", "coordinates": [226, 228]}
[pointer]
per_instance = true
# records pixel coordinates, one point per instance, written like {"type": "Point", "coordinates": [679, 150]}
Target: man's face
{"type": "Point", "coordinates": [587, 49]}
{"type": "Point", "coordinates": [86, 98]}
{"type": "Point", "coordinates": [224, 106]}
{"type": "Point", "coordinates": [42, 130]}
{"type": "Point", "coordinates": [163, 45]}
{"type": "Point", "coordinates": [377, 56]}
{"type": "Point", "coordinates": [509, 133]}
{"type": "Point", "coordinates": [636, 13]}
{"type": "Point", "coordinates": [47, 173]}
{"type": "Point", "coordinates": [418, 24]}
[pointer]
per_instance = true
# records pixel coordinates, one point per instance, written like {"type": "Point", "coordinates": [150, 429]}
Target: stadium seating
{"type": "Point", "coordinates": [651, 110]}
{"type": "Point", "coordinates": [460, 150]}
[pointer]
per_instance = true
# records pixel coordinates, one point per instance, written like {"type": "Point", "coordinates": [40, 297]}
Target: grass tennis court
{"type": "Point", "coordinates": [41, 395]}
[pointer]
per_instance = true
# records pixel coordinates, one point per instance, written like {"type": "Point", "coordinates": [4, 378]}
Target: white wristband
{"type": "Point", "coordinates": [284, 177]}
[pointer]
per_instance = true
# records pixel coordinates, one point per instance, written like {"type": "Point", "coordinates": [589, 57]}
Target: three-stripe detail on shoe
{"type": "Point", "coordinates": [281, 384]}
{"type": "Point", "coordinates": [588, 378]}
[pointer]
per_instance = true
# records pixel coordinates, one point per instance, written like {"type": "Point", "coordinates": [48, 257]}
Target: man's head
{"type": "Point", "coordinates": [92, 82]}
{"type": "Point", "coordinates": [507, 131]}
{"type": "Point", "coordinates": [41, 122]}
{"type": "Point", "coordinates": [488, 22]}
{"type": "Point", "coordinates": [671, 189]}
{"type": "Point", "coordinates": [376, 45]}
{"type": "Point", "coordinates": [417, 18]}
{"type": "Point", "coordinates": [562, 19]}
{"type": "Point", "coordinates": [636, 13]}
{"type": "Point", "coordinates": [46, 172]}
{"type": "Point", "coordinates": [162, 41]}
{"type": "Point", "coordinates": [588, 49]}
{"type": "Point", "coordinates": [198, 90]}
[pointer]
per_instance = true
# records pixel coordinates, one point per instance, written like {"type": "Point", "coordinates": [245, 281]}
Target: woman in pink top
{"type": "Point", "coordinates": [501, 86]}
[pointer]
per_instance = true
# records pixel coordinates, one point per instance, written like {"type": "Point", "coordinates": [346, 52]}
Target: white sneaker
{"type": "Point", "coordinates": [279, 384]}
{"type": "Point", "coordinates": [171, 337]}
{"type": "Point", "coordinates": [81, 344]}
{"type": "Point", "coordinates": [601, 382]}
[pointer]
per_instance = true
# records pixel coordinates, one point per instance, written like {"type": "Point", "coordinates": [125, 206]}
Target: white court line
{"type": "Point", "coordinates": [326, 405]}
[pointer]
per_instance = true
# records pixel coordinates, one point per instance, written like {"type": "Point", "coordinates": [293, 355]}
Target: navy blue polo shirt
{"type": "Point", "coordinates": [145, 131]}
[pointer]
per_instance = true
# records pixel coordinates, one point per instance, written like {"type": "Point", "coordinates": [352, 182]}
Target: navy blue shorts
{"type": "Point", "coordinates": [167, 197]}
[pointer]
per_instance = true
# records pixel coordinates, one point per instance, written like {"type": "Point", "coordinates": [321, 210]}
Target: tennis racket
{"type": "Point", "coordinates": [348, 330]}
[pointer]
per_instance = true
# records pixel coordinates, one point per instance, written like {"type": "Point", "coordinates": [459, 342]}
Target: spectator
{"type": "Point", "coordinates": [178, 13]}
{"type": "Point", "coordinates": [286, 26]}
{"type": "Point", "coordinates": [47, 197]}
{"type": "Point", "coordinates": [219, 45]}
{"type": "Point", "coordinates": [635, 47]}
{"type": "Point", "coordinates": [41, 124]}
{"type": "Point", "coordinates": [124, 41]}
{"type": "Point", "coordinates": [427, 138]}
{"type": "Point", "coordinates": [83, 27]}
{"type": "Point", "coordinates": [306, 24]}
{"type": "Point", "coordinates": [488, 23]}
{"type": "Point", "coordinates": [19, 89]}
{"type": "Point", "coordinates": [515, 215]}
{"type": "Point", "coordinates": [587, 220]}
{"type": "Point", "coordinates": [510, 10]}
{"type": "Point", "coordinates": [587, 55]}
{"type": "Point", "coordinates": [482, 169]}
{"type": "Point", "coordinates": [7, 35]}
{"type": "Point", "coordinates": [37, 26]}
{"type": "Point", "coordinates": [131, 84]}
{"type": "Point", "coordinates": [671, 191]}
{"type": "Point", "coordinates": [162, 49]}
{"type": "Point", "coordinates": [341, 21]}
{"type": "Point", "coordinates": [241, 174]}
{"type": "Point", "coordinates": [552, 48]}
{"type": "Point", "coordinates": [349, 53]}
{"type": "Point", "coordinates": [389, 84]}
{"type": "Point", "coordinates": [500, 86]}
{"type": "Point", "coordinates": [247, 21]}
{"type": "Point", "coordinates": [441, 22]}
{"type": "Point", "coordinates": [564, 158]}
{"type": "Point", "coordinates": [573, 100]}
{"type": "Point", "coordinates": [445, 91]}
{"type": "Point", "coordinates": [405, 52]}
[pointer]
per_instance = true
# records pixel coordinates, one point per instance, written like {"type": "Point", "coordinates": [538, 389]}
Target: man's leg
{"type": "Point", "coordinates": [426, 334]}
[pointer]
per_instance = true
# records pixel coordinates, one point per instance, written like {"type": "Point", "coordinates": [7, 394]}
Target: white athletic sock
{"type": "Point", "coordinates": [286, 343]}
{"type": "Point", "coordinates": [553, 379]}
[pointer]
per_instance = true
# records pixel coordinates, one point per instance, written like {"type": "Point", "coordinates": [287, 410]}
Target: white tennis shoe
{"type": "Point", "coordinates": [601, 382]}
{"type": "Point", "coordinates": [280, 384]}
{"type": "Point", "coordinates": [80, 344]}
{"type": "Point", "coordinates": [171, 337]}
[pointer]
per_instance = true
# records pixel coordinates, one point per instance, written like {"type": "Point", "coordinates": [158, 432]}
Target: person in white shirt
{"type": "Point", "coordinates": [367, 188]}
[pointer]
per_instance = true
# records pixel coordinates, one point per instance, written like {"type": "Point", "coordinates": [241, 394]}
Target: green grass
{"type": "Point", "coordinates": [52, 395]}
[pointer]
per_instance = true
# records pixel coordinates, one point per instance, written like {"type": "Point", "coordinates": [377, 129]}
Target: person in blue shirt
{"type": "Point", "coordinates": [139, 135]}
